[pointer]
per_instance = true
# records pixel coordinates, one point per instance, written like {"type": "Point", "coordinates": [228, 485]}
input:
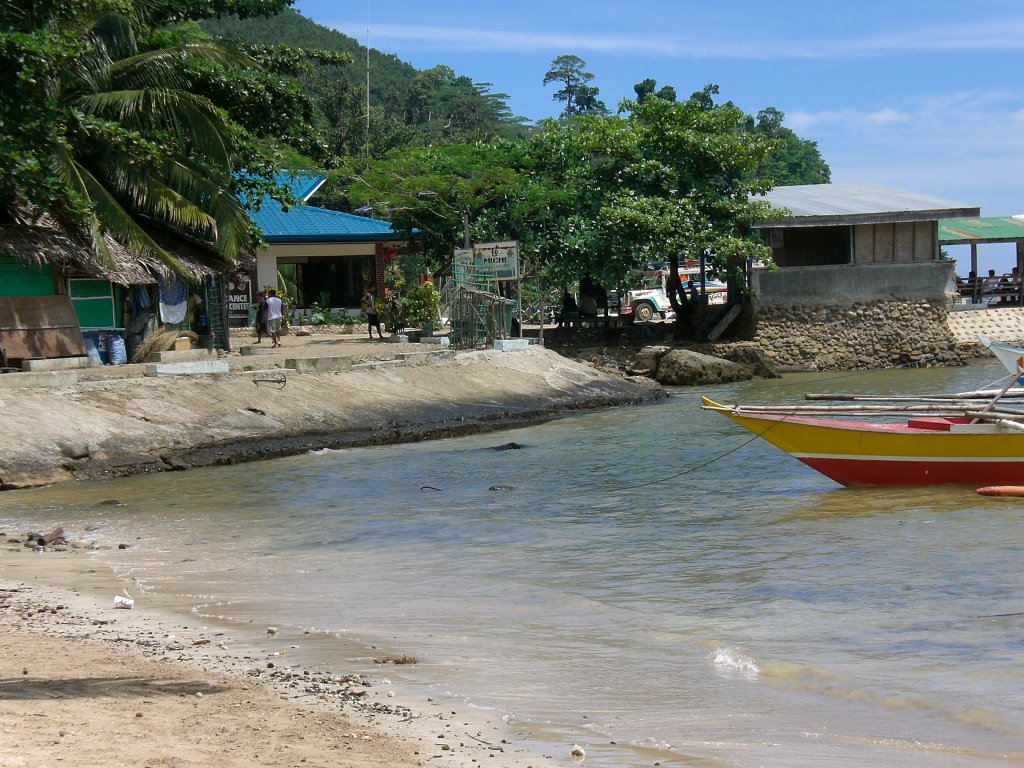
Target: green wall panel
{"type": "Point", "coordinates": [20, 279]}
{"type": "Point", "coordinates": [95, 303]}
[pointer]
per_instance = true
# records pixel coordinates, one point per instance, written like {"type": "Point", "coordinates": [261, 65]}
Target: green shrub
{"type": "Point", "coordinates": [422, 306]}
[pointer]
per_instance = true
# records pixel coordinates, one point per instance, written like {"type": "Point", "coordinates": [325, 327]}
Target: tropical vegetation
{"type": "Point", "coordinates": [118, 120]}
{"type": "Point", "coordinates": [126, 118]}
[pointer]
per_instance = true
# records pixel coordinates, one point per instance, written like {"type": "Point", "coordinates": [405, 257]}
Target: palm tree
{"type": "Point", "coordinates": [137, 148]}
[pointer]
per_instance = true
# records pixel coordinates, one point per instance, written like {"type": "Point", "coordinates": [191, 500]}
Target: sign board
{"type": "Point", "coordinates": [501, 258]}
{"type": "Point", "coordinates": [239, 299]}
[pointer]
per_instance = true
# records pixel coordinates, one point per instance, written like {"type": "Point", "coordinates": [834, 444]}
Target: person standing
{"type": "Point", "coordinates": [261, 316]}
{"type": "Point", "coordinates": [370, 308]}
{"type": "Point", "coordinates": [275, 314]}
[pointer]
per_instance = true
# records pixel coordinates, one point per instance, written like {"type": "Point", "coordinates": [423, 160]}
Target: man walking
{"type": "Point", "coordinates": [275, 312]}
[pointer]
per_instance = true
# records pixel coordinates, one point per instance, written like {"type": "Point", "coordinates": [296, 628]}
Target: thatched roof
{"type": "Point", "coordinates": [48, 243]}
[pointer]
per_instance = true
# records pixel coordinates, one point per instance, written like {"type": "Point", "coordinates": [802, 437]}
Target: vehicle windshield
{"type": "Point", "coordinates": [650, 283]}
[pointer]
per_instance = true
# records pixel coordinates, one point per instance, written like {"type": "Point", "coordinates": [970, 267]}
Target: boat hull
{"type": "Point", "coordinates": [863, 453]}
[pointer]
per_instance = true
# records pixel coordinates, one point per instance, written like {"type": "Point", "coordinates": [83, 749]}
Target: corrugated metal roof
{"type": "Point", "coordinates": [306, 224]}
{"type": "Point", "coordinates": [822, 204]}
{"type": "Point", "coordinates": [302, 185]}
{"type": "Point", "coordinates": [984, 229]}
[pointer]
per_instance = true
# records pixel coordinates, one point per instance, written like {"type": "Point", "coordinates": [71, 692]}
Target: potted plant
{"type": "Point", "coordinates": [346, 321]}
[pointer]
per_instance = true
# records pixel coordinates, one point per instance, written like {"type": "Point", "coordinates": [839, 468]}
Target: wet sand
{"type": "Point", "coordinates": [86, 684]}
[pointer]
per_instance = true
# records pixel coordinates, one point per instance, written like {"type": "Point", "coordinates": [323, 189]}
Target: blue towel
{"type": "Point", "coordinates": [173, 300]}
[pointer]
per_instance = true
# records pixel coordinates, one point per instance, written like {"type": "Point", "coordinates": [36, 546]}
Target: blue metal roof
{"type": "Point", "coordinates": [302, 185]}
{"type": "Point", "coordinates": [307, 224]}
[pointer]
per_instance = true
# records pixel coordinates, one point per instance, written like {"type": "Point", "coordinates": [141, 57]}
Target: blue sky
{"type": "Point", "coordinates": [922, 95]}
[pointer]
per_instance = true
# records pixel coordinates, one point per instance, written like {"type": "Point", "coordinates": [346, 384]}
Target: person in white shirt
{"type": "Point", "coordinates": [275, 313]}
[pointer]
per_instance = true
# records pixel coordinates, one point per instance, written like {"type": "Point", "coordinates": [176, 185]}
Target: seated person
{"type": "Point", "coordinates": [592, 292]}
{"type": "Point", "coordinates": [569, 309]}
{"type": "Point", "coordinates": [990, 283]}
{"type": "Point", "coordinates": [588, 306]}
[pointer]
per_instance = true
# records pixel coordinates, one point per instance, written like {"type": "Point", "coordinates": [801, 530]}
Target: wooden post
{"type": "Point", "coordinates": [1020, 274]}
{"type": "Point", "coordinates": [976, 289]}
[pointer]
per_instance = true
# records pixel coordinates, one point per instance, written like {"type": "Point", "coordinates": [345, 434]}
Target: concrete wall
{"type": "Point", "coordinates": [854, 282]}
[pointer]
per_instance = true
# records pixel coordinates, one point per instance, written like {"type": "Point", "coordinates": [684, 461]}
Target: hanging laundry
{"type": "Point", "coordinates": [173, 300]}
{"type": "Point", "coordinates": [140, 299]}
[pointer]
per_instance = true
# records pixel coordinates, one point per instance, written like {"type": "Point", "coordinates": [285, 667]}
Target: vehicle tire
{"type": "Point", "coordinates": [643, 311]}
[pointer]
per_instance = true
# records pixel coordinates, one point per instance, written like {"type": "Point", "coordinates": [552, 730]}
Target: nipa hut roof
{"type": "Point", "coordinates": [47, 242]}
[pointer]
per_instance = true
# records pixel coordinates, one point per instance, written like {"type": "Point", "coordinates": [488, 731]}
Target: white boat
{"type": "Point", "coordinates": [1012, 357]}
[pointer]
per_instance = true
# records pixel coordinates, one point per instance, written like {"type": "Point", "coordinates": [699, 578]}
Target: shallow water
{"type": "Point", "coordinates": [652, 577]}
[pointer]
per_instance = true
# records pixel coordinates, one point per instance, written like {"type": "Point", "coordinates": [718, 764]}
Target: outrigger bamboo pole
{"type": "Point", "coordinates": [1014, 416]}
{"type": "Point", "coordinates": [980, 394]}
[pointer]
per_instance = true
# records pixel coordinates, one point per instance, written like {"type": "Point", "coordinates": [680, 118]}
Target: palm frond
{"type": "Point", "coordinates": [122, 226]}
{"type": "Point", "coordinates": [231, 222]}
{"type": "Point", "coordinates": [188, 117]}
{"type": "Point", "coordinates": [179, 212]}
{"type": "Point", "coordinates": [166, 67]}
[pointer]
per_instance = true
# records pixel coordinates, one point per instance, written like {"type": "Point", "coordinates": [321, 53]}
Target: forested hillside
{"type": "Point", "coordinates": [390, 75]}
{"type": "Point", "coordinates": [433, 104]}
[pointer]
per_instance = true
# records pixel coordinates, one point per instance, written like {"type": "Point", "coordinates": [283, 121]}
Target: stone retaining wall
{"type": "Point", "coordinates": [878, 334]}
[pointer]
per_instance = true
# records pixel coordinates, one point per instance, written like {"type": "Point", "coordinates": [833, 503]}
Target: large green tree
{"type": "Point", "coordinates": [579, 96]}
{"type": "Point", "coordinates": [430, 193]}
{"type": "Point", "coordinates": [794, 160]}
{"type": "Point", "coordinates": [598, 197]}
{"type": "Point", "coordinates": [662, 180]}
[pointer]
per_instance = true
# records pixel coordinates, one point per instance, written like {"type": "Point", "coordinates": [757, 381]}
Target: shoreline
{"type": "Point", "coordinates": [97, 686]}
{"type": "Point", "coordinates": [117, 423]}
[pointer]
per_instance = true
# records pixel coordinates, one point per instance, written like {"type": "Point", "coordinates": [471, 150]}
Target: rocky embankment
{"type": "Point", "coordinates": [879, 334]}
{"type": "Point", "coordinates": [118, 426]}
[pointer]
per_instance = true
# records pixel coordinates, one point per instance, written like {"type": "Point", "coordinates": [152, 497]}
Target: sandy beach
{"type": "Point", "coordinates": [86, 684]}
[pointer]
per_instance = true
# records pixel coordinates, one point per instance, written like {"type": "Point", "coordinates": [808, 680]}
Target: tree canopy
{"type": "Point", "coordinates": [113, 123]}
{"type": "Point", "coordinates": [599, 196]}
{"type": "Point", "coordinates": [795, 160]}
{"type": "Point", "coordinates": [121, 115]}
{"type": "Point", "coordinates": [580, 98]}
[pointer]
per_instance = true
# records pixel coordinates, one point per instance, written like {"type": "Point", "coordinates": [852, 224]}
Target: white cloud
{"type": "Point", "coordinates": [1006, 35]}
{"type": "Point", "coordinates": [962, 146]}
{"type": "Point", "coordinates": [887, 116]}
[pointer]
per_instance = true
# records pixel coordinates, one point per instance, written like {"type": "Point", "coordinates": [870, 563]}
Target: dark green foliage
{"type": "Point", "coordinates": [390, 77]}
{"type": "Point", "coordinates": [114, 127]}
{"type": "Point", "coordinates": [405, 104]}
{"type": "Point", "coordinates": [598, 195]}
{"type": "Point", "coordinates": [794, 160]}
{"type": "Point", "coordinates": [645, 90]}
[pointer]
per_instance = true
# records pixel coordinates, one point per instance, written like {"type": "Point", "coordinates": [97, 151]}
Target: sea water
{"type": "Point", "coordinates": [651, 582]}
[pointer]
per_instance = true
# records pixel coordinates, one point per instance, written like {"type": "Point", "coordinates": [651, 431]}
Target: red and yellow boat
{"type": "Point", "coordinates": [975, 445]}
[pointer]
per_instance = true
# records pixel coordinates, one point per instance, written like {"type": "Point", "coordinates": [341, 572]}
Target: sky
{"type": "Point", "coordinates": [923, 95]}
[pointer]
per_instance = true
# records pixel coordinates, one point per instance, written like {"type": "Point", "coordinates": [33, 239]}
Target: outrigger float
{"type": "Point", "coordinates": [972, 438]}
